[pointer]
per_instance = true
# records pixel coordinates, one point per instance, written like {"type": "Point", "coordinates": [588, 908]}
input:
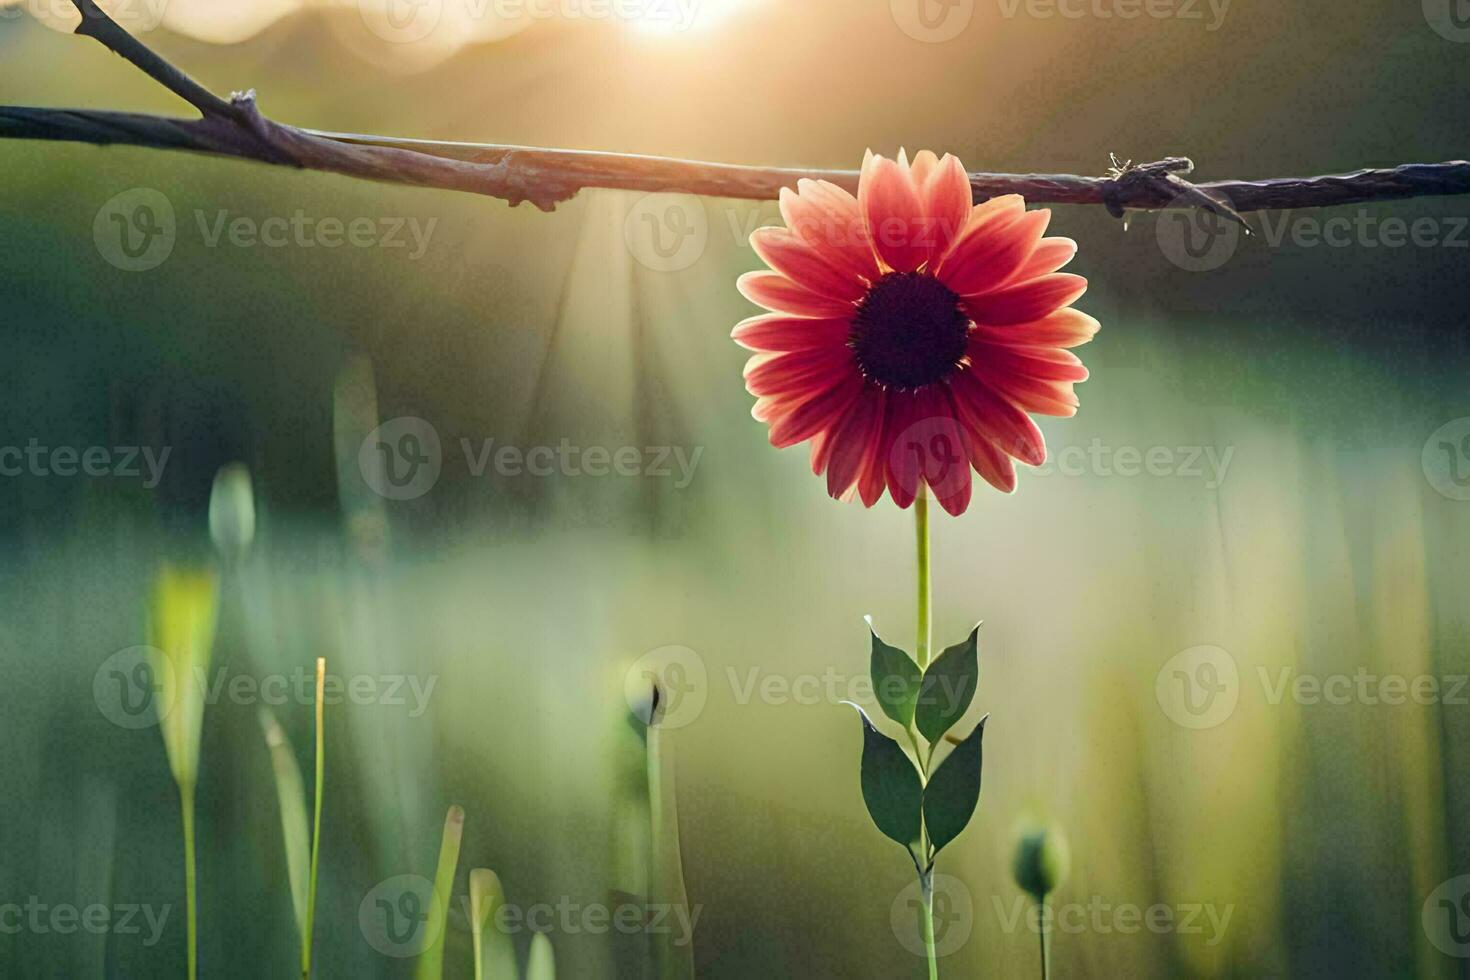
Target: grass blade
{"type": "Point", "coordinates": [542, 963]}
{"type": "Point", "coordinates": [316, 822]}
{"type": "Point", "coordinates": [431, 961]}
{"type": "Point", "coordinates": [495, 957]}
{"type": "Point", "coordinates": [295, 828]}
{"type": "Point", "coordinates": [667, 876]}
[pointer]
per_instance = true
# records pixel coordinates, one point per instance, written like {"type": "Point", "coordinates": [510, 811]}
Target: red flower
{"type": "Point", "coordinates": [912, 332]}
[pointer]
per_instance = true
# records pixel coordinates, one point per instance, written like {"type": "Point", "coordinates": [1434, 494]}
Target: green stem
{"type": "Point", "coordinates": [1042, 932]}
{"type": "Point", "coordinates": [921, 529]}
{"type": "Point", "coordinates": [186, 801]}
{"type": "Point", "coordinates": [926, 872]}
{"type": "Point", "coordinates": [316, 825]}
{"type": "Point", "coordinates": [926, 890]}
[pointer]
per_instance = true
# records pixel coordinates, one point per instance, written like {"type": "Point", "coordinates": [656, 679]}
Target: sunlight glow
{"type": "Point", "coordinates": [673, 18]}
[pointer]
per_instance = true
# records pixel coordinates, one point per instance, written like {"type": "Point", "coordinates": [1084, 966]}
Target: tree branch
{"type": "Point", "coordinates": [546, 177]}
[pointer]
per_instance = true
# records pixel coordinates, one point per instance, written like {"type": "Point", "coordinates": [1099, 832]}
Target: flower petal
{"type": "Point", "coordinates": [779, 332]}
{"type": "Point", "coordinates": [994, 466]}
{"type": "Point", "coordinates": [1050, 255]}
{"type": "Point", "coordinates": [1026, 301]}
{"type": "Point", "coordinates": [1039, 395]}
{"type": "Point", "coordinates": [1066, 327]}
{"type": "Point", "coordinates": [948, 201]}
{"type": "Point", "coordinates": [1001, 422]}
{"type": "Point", "coordinates": [994, 254]}
{"type": "Point", "coordinates": [798, 372]}
{"type": "Point", "coordinates": [871, 479]}
{"type": "Point", "coordinates": [804, 265]}
{"type": "Point", "coordinates": [852, 440]}
{"type": "Point", "coordinates": [900, 467]}
{"type": "Point", "coordinates": [1045, 363]}
{"type": "Point", "coordinates": [983, 218]}
{"type": "Point", "coordinates": [815, 414]}
{"type": "Point", "coordinates": [828, 218]}
{"type": "Point", "coordinates": [775, 292]}
{"type": "Point", "coordinates": [943, 462]}
{"type": "Point", "coordinates": [893, 213]}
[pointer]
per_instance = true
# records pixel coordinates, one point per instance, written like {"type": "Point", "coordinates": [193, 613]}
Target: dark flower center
{"type": "Point", "coordinates": [909, 331]}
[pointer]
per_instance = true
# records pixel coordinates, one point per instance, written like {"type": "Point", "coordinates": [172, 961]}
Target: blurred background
{"type": "Point", "coordinates": [1266, 489]}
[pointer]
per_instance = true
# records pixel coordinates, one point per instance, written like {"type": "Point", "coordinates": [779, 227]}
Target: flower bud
{"type": "Point", "coordinates": [232, 510]}
{"type": "Point", "coordinates": [1042, 860]}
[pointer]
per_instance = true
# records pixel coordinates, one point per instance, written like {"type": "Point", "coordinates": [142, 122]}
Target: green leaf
{"type": "Point", "coordinates": [542, 964]}
{"type": "Point", "coordinates": [431, 960]}
{"type": "Point", "coordinates": [495, 956]}
{"type": "Point", "coordinates": [295, 824]}
{"type": "Point", "coordinates": [948, 688]}
{"type": "Point", "coordinates": [895, 681]}
{"type": "Point", "coordinates": [891, 786]}
{"type": "Point", "coordinates": [954, 789]}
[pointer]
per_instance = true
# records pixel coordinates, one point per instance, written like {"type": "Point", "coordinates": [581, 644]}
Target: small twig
{"type": "Point", "coordinates": [104, 30]}
{"type": "Point", "coordinates": [546, 177]}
